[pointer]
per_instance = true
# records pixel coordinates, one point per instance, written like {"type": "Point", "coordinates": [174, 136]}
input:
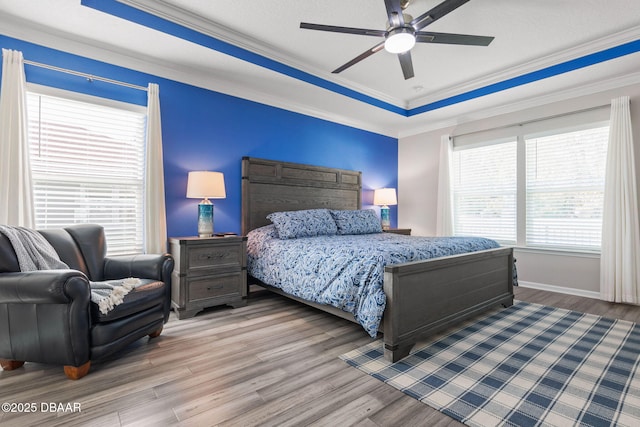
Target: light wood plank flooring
{"type": "Point", "coordinates": [274, 362]}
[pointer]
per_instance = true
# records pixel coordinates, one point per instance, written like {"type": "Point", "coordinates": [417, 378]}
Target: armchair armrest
{"type": "Point", "coordinates": [44, 287]}
{"type": "Point", "coordinates": [144, 266]}
{"type": "Point", "coordinates": [48, 311]}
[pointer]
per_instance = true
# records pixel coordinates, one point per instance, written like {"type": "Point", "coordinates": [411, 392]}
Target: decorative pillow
{"type": "Point", "coordinates": [263, 233]}
{"type": "Point", "coordinates": [305, 223]}
{"type": "Point", "coordinates": [363, 221]}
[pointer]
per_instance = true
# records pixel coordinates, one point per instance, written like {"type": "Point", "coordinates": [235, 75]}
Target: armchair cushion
{"type": "Point", "coordinates": [146, 295]}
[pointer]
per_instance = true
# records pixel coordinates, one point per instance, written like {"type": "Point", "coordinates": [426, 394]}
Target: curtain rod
{"type": "Point", "coordinates": [533, 121]}
{"type": "Point", "coordinates": [89, 77]}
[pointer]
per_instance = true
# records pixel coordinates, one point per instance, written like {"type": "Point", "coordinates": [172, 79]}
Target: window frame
{"type": "Point", "coordinates": [580, 120]}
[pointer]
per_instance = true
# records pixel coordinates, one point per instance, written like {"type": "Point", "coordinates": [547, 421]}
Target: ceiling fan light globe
{"type": "Point", "coordinates": [399, 42]}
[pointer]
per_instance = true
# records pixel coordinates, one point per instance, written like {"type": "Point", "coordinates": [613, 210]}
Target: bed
{"type": "Point", "coordinates": [422, 297]}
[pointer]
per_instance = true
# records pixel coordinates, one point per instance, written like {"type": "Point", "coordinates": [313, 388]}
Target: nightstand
{"type": "Point", "coordinates": [405, 231]}
{"type": "Point", "coordinates": [208, 271]}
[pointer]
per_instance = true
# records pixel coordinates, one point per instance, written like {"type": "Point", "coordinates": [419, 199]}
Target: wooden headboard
{"type": "Point", "coordinates": [272, 186]}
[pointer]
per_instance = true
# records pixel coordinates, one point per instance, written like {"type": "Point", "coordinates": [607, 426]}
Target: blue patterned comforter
{"type": "Point", "coordinates": [345, 271]}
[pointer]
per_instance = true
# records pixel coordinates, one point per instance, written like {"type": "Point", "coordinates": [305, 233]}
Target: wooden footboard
{"type": "Point", "coordinates": [425, 297]}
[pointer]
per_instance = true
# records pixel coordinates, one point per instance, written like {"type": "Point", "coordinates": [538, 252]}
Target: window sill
{"type": "Point", "coordinates": [555, 251]}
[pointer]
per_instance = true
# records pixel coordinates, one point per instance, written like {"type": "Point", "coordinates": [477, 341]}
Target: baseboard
{"type": "Point", "coordinates": [560, 289]}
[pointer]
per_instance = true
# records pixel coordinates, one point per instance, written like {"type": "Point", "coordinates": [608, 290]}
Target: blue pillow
{"type": "Point", "coordinates": [363, 221]}
{"type": "Point", "coordinates": [305, 223]}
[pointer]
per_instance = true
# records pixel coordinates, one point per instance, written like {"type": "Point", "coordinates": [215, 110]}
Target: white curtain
{"type": "Point", "coordinates": [155, 221]}
{"type": "Point", "coordinates": [444, 217]}
{"type": "Point", "coordinates": [16, 193]}
{"type": "Point", "coordinates": [620, 256]}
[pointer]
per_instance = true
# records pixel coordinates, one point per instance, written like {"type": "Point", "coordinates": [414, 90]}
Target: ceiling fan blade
{"type": "Point", "coordinates": [447, 38]}
{"type": "Point", "coordinates": [359, 58]}
{"type": "Point", "coordinates": [394, 12]}
{"type": "Point", "coordinates": [406, 64]}
{"type": "Point", "coordinates": [348, 30]}
{"type": "Point", "coordinates": [436, 13]}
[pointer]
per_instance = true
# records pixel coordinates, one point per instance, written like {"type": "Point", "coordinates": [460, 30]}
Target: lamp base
{"type": "Point", "coordinates": [385, 217]}
{"type": "Point", "coordinates": [205, 219]}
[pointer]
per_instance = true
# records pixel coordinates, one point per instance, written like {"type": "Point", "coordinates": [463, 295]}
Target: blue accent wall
{"type": "Point", "coordinates": [207, 130]}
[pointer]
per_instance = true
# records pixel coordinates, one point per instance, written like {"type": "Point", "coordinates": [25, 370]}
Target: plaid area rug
{"type": "Point", "coordinates": [526, 365]}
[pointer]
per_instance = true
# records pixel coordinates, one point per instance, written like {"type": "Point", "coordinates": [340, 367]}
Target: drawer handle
{"type": "Point", "coordinates": [210, 288]}
{"type": "Point", "coordinates": [209, 256]}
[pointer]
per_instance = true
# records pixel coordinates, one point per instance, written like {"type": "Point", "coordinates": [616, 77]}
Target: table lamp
{"type": "Point", "coordinates": [384, 197]}
{"type": "Point", "coordinates": [205, 185]}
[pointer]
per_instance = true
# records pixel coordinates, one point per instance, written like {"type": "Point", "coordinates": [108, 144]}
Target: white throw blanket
{"type": "Point", "coordinates": [34, 252]}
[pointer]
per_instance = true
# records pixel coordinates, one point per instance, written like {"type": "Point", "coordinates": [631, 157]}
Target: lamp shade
{"type": "Point", "coordinates": [385, 197]}
{"type": "Point", "coordinates": [205, 184]}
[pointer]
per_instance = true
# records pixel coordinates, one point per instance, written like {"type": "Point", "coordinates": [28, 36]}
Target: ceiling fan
{"type": "Point", "coordinates": [404, 31]}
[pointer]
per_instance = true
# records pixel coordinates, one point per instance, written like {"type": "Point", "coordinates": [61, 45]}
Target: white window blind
{"type": "Point", "coordinates": [565, 188]}
{"type": "Point", "coordinates": [484, 185]}
{"type": "Point", "coordinates": [88, 167]}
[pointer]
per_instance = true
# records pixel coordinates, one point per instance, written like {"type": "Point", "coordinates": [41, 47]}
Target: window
{"type": "Point", "coordinates": [565, 188]}
{"type": "Point", "coordinates": [87, 163]}
{"type": "Point", "coordinates": [484, 200]}
{"type": "Point", "coordinates": [538, 188]}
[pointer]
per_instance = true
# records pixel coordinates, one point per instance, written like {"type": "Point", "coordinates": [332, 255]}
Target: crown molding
{"type": "Point", "coordinates": [27, 31]}
{"type": "Point", "coordinates": [190, 20]}
{"type": "Point", "coordinates": [558, 96]}
{"type": "Point", "coordinates": [610, 41]}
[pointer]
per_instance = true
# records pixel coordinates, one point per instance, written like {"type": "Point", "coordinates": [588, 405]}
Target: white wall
{"type": "Point", "coordinates": [418, 183]}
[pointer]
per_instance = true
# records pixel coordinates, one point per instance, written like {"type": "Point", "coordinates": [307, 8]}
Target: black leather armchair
{"type": "Point", "coordinates": [47, 316]}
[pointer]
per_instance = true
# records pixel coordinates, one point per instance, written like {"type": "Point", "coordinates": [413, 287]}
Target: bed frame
{"type": "Point", "coordinates": [423, 297]}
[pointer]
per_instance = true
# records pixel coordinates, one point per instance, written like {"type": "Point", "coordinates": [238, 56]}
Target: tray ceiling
{"type": "Point", "coordinates": [543, 50]}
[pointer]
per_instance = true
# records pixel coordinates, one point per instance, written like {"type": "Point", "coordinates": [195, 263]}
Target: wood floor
{"type": "Point", "coordinates": [274, 362]}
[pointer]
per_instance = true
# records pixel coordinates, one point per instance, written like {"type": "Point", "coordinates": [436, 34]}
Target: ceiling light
{"type": "Point", "coordinates": [400, 40]}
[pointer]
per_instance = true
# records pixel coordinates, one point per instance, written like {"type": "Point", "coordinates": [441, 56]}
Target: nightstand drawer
{"type": "Point", "coordinates": [212, 287]}
{"type": "Point", "coordinates": [215, 256]}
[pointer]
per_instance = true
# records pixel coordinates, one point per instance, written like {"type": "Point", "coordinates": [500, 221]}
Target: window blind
{"type": "Point", "coordinates": [565, 188]}
{"type": "Point", "coordinates": [484, 185]}
{"type": "Point", "coordinates": [88, 167]}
